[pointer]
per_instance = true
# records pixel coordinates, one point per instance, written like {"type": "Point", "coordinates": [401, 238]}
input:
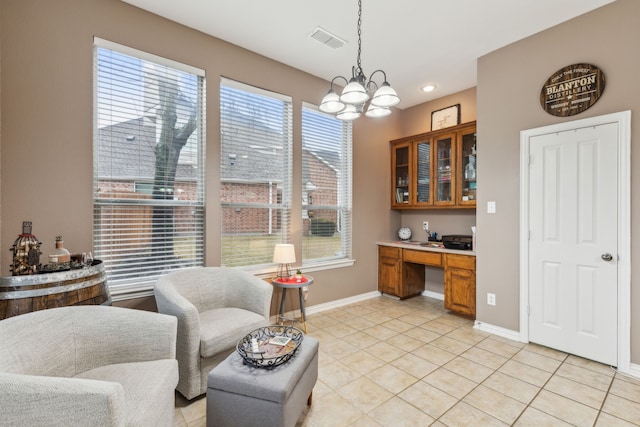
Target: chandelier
{"type": "Point", "coordinates": [351, 103]}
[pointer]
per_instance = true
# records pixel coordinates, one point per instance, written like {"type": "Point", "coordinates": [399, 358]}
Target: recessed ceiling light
{"type": "Point", "coordinates": [429, 88]}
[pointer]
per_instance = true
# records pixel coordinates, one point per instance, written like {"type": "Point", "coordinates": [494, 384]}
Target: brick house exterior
{"type": "Point", "coordinates": [247, 178]}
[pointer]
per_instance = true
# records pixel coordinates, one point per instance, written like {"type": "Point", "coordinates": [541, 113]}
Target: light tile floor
{"type": "Point", "coordinates": [411, 363]}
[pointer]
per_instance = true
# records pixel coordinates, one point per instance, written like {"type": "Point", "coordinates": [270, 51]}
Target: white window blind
{"type": "Point", "coordinates": [326, 187]}
{"type": "Point", "coordinates": [255, 173]}
{"type": "Point", "coordinates": [148, 166]}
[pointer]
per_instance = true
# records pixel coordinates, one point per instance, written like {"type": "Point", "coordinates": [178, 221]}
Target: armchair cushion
{"type": "Point", "coordinates": [222, 328]}
{"type": "Point", "coordinates": [141, 385]}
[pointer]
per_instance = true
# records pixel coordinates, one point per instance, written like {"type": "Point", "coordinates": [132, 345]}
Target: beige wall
{"type": "Point", "coordinates": [417, 119]}
{"type": "Point", "coordinates": [509, 83]}
{"type": "Point", "coordinates": [47, 97]}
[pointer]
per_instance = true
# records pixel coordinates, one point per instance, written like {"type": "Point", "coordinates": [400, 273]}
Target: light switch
{"type": "Point", "coordinates": [491, 207]}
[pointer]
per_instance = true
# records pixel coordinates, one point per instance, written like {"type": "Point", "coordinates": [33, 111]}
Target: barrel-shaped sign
{"type": "Point", "coordinates": [572, 90]}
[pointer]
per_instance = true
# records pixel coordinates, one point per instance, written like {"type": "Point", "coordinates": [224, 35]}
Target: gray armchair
{"type": "Point", "coordinates": [88, 365]}
{"type": "Point", "coordinates": [215, 307]}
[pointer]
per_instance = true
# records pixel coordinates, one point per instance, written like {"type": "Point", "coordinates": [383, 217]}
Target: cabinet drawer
{"type": "Point", "coordinates": [423, 257]}
{"type": "Point", "coordinates": [467, 262]}
{"type": "Point", "coordinates": [389, 251]}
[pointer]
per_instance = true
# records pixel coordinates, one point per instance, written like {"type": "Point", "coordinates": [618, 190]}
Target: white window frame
{"type": "Point", "coordinates": [343, 206]}
{"type": "Point", "coordinates": [143, 286]}
{"type": "Point", "coordinates": [281, 184]}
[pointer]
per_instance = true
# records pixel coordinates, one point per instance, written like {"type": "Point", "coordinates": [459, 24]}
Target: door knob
{"type": "Point", "coordinates": [606, 256]}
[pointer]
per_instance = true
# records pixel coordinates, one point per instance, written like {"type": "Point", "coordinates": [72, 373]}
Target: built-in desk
{"type": "Point", "coordinates": [401, 273]}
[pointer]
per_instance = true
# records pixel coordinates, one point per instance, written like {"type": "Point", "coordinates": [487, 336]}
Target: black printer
{"type": "Point", "coordinates": [458, 241]}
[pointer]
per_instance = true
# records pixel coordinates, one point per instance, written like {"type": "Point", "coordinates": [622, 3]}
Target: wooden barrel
{"type": "Point", "coordinates": [24, 294]}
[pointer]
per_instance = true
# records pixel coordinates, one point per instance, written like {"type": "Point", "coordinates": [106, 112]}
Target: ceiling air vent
{"type": "Point", "coordinates": [325, 37]}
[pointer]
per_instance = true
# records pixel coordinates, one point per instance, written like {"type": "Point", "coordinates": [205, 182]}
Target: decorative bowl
{"type": "Point", "coordinates": [276, 345]}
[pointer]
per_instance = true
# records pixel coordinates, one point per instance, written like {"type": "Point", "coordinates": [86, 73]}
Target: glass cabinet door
{"type": "Point", "coordinates": [468, 165]}
{"type": "Point", "coordinates": [423, 173]}
{"type": "Point", "coordinates": [401, 174]}
{"type": "Point", "coordinates": [445, 180]}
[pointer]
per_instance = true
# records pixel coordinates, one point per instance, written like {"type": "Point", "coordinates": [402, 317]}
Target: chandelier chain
{"type": "Point", "coordinates": [359, 69]}
{"type": "Point", "coordinates": [353, 100]}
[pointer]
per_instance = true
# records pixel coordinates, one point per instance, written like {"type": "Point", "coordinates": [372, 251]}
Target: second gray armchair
{"type": "Point", "coordinates": [88, 366]}
{"type": "Point", "coordinates": [215, 307]}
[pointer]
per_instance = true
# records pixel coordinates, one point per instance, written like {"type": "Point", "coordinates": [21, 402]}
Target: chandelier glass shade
{"type": "Point", "coordinates": [376, 111]}
{"type": "Point", "coordinates": [348, 113]}
{"type": "Point", "coordinates": [351, 103]}
{"type": "Point", "coordinates": [331, 103]}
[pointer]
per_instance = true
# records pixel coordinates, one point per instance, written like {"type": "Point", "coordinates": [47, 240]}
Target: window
{"type": "Point", "coordinates": [326, 187]}
{"type": "Point", "coordinates": [148, 189]}
{"type": "Point", "coordinates": [255, 173]}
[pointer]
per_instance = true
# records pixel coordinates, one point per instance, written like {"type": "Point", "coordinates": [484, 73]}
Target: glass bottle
{"type": "Point", "coordinates": [60, 252]}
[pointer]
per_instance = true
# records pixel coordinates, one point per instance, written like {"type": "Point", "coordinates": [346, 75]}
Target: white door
{"type": "Point", "coordinates": [573, 241]}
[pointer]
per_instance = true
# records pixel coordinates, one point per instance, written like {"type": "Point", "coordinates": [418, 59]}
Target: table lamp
{"type": "Point", "coordinates": [284, 254]}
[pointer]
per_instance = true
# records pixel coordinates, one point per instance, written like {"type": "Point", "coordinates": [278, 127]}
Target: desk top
{"type": "Point", "coordinates": [415, 245]}
{"type": "Point", "coordinates": [292, 282]}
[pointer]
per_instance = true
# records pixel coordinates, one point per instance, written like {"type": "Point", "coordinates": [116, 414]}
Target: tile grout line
{"type": "Point", "coordinates": [475, 345]}
{"type": "Point", "coordinates": [479, 384]}
{"type": "Point", "coordinates": [564, 359]}
{"type": "Point", "coordinates": [443, 317]}
{"type": "Point", "coordinates": [606, 395]}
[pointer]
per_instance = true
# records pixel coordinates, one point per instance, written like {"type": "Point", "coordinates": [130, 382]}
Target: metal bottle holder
{"type": "Point", "coordinates": [26, 252]}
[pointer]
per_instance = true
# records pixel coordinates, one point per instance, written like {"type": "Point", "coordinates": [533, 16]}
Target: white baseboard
{"type": "Point", "coordinates": [318, 308]}
{"type": "Point", "coordinates": [634, 371]}
{"type": "Point", "coordinates": [497, 330]}
{"type": "Point", "coordinates": [435, 295]}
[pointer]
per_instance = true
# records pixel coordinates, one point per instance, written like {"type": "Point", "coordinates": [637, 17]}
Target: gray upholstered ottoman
{"type": "Point", "coordinates": [241, 395]}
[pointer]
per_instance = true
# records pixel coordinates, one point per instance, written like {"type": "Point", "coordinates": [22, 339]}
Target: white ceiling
{"type": "Point", "coordinates": [414, 41]}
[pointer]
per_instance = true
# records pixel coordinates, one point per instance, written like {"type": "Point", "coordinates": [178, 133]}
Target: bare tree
{"type": "Point", "coordinates": [167, 150]}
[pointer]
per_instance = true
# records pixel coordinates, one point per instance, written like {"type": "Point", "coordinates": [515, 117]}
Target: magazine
{"type": "Point", "coordinates": [280, 340]}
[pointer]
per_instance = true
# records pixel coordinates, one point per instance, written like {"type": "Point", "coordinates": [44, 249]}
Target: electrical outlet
{"type": "Point", "coordinates": [491, 299]}
{"type": "Point", "coordinates": [425, 225]}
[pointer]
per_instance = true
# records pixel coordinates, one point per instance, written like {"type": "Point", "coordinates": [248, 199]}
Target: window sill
{"type": "Point", "coordinates": [307, 268]}
{"type": "Point", "coordinates": [131, 291]}
{"type": "Point", "coordinates": [122, 293]}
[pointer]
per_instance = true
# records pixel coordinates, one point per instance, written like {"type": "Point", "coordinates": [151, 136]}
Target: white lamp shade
{"type": "Point", "coordinates": [385, 96]}
{"type": "Point", "coordinates": [376, 111]}
{"type": "Point", "coordinates": [348, 114]}
{"type": "Point", "coordinates": [284, 253]}
{"type": "Point", "coordinates": [331, 103]}
{"type": "Point", "coordinates": [354, 93]}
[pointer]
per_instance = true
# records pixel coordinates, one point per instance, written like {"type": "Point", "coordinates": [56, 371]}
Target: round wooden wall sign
{"type": "Point", "coordinates": [572, 89]}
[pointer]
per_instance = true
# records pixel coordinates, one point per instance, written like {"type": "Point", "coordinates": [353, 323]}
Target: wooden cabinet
{"type": "Point", "coordinates": [402, 171]}
{"type": "Point", "coordinates": [423, 257]}
{"type": "Point", "coordinates": [445, 171]}
{"type": "Point", "coordinates": [401, 273]}
{"type": "Point", "coordinates": [389, 270]}
{"type": "Point", "coordinates": [397, 278]}
{"type": "Point", "coordinates": [435, 169]}
{"type": "Point", "coordinates": [467, 185]}
{"type": "Point", "coordinates": [460, 284]}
